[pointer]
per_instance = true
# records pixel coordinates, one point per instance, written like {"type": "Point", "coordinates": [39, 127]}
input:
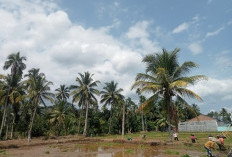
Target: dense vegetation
{"type": "Point", "coordinates": [29, 107]}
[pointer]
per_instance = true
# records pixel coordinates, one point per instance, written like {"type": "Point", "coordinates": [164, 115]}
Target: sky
{"type": "Point", "coordinates": [109, 38]}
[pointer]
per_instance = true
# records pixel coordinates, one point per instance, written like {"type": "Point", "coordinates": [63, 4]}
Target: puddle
{"type": "Point", "coordinates": [102, 150]}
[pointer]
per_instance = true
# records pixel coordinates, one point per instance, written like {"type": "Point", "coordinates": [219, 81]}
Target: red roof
{"type": "Point", "coordinates": [201, 118]}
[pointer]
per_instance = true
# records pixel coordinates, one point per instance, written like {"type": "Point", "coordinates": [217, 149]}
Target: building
{"type": "Point", "coordinates": [200, 123]}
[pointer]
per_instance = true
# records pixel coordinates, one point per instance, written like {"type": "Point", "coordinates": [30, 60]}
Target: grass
{"type": "Point", "coordinates": [202, 137]}
{"type": "Point", "coordinates": [129, 151]}
{"type": "Point", "coordinates": [169, 152]}
{"type": "Point", "coordinates": [3, 152]}
{"type": "Point", "coordinates": [47, 152]}
{"type": "Point", "coordinates": [184, 139]}
{"type": "Point", "coordinates": [64, 150]}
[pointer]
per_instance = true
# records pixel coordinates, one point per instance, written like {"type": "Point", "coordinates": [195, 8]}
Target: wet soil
{"type": "Point", "coordinates": [94, 147]}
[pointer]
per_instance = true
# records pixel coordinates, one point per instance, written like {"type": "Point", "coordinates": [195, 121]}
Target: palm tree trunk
{"type": "Point", "coordinates": [12, 128]}
{"type": "Point", "coordinates": [123, 120]}
{"type": "Point", "coordinates": [79, 121]}
{"type": "Point", "coordinates": [7, 122]}
{"type": "Point", "coordinates": [31, 124]}
{"type": "Point", "coordinates": [145, 123]}
{"type": "Point", "coordinates": [79, 125]}
{"type": "Point", "coordinates": [7, 127]}
{"type": "Point", "coordinates": [110, 120]}
{"type": "Point", "coordinates": [142, 121]}
{"type": "Point", "coordinates": [128, 124]}
{"type": "Point", "coordinates": [169, 120]}
{"type": "Point", "coordinates": [4, 117]}
{"type": "Point", "coordinates": [86, 119]}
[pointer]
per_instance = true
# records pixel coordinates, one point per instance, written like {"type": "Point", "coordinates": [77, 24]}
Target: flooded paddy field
{"type": "Point", "coordinates": [76, 146]}
{"type": "Point", "coordinates": [102, 149]}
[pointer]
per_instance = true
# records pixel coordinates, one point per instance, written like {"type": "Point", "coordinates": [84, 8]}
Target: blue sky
{"type": "Point", "coordinates": [109, 38]}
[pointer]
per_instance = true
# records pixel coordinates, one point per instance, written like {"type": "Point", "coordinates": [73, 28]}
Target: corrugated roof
{"type": "Point", "coordinates": [201, 118]}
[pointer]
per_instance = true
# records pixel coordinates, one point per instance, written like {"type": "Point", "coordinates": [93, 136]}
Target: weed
{"type": "Point", "coordinates": [129, 151]}
{"type": "Point", "coordinates": [65, 150]}
{"type": "Point", "coordinates": [47, 152]}
{"type": "Point", "coordinates": [3, 152]}
{"type": "Point", "coordinates": [172, 152]}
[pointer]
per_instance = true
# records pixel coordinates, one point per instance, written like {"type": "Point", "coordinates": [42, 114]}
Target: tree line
{"type": "Point", "coordinates": [74, 109]}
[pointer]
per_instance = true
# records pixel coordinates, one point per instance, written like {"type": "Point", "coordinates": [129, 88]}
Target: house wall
{"type": "Point", "coordinates": [198, 126]}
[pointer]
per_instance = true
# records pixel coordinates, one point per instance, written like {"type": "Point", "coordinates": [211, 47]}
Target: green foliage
{"type": "Point", "coordinates": [164, 79]}
{"type": "Point", "coordinates": [3, 152]}
{"type": "Point", "coordinates": [169, 152]}
{"type": "Point", "coordinates": [23, 95]}
{"type": "Point", "coordinates": [41, 126]}
{"type": "Point", "coordinates": [47, 152]}
{"type": "Point", "coordinates": [185, 155]}
{"type": "Point", "coordinates": [129, 151]}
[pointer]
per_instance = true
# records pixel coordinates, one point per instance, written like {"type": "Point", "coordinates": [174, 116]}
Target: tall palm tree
{"type": "Point", "coordinates": [111, 96]}
{"type": "Point", "coordinates": [38, 90]}
{"type": "Point", "coordinates": [11, 93]}
{"type": "Point", "coordinates": [165, 78]}
{"type": "Point", "coordinates": [63, 93]}
{"type": "Point", "coordinates": [15, 62]}
{"type": "Point", "coordinates": [84, 93]}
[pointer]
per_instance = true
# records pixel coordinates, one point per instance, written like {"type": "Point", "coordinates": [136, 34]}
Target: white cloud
{"type": "Point", "coordinates": [209, 34]}
{"type": "Point", "coordinates": [182, 27]}
{"type": "Point", "coordinates": [138, 36]}
{"type": "Point", "coordinates": [220, 89]}
{"type": "Point", "coordinates": [216, 94]}
{"type": "Point", "coordinates": [195, 48]}
{"type": "Point", "coordinates": [139, 30]}
{"type": "Point", "coordinates": [62, 49]}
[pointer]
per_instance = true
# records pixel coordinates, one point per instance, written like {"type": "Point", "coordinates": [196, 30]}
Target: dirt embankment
{"type": "Point", "coordinates": [17, 143]}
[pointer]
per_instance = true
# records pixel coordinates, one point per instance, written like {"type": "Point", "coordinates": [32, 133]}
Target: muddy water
{"type": "Point", "coordinates": [97, 150]}
{"type": "Point", "coordinates": [117, 150]}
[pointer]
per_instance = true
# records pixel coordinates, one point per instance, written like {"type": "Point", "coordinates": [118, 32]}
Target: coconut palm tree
{"type": "Point", "coordinates": [15, 62]}
{"type": "Point", "coordinates": [166, 78]}
{"type": "Point", "coordinates": [84, 93]}
{"type": "Point", "coordinates": [11, 93]}
{"type": "Point", "coordinates": [38, 90]}
{"type": "Point", "coordinates": [111, 96]}
{"type": "Point", "coordinates": [63, 93]}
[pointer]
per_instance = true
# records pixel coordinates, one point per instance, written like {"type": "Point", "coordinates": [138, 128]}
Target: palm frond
{"type": "Point", "coordinates": [189, 93]}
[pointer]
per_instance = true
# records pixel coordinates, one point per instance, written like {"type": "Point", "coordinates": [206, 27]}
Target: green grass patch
{"type": "Point", "coordinates": [141, 146]}
{"type": "Point", "coordinates": [185, 155]}
{"type": "Point", "coordinates": [3, 152]}
{"type": "Point", "coordinates": [65, 150]}
{"type": "Point", "coordinates": [129, 151]}
{"type": "Point", "coordinates": [47, 152]}
{"type": "Point", "coordinates": [52, 146]}
{"type": "Point", "coordinates": [169, 152]}
{"type": "Point", "coordinates": [77, 146]}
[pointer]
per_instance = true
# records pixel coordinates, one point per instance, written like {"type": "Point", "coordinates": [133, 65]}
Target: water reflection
{"type": "Point", "coordinates": [115, 150]}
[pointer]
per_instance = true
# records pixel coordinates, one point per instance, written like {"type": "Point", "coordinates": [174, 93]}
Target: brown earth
{"type": "Point", "coordinates": [76, 146]}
